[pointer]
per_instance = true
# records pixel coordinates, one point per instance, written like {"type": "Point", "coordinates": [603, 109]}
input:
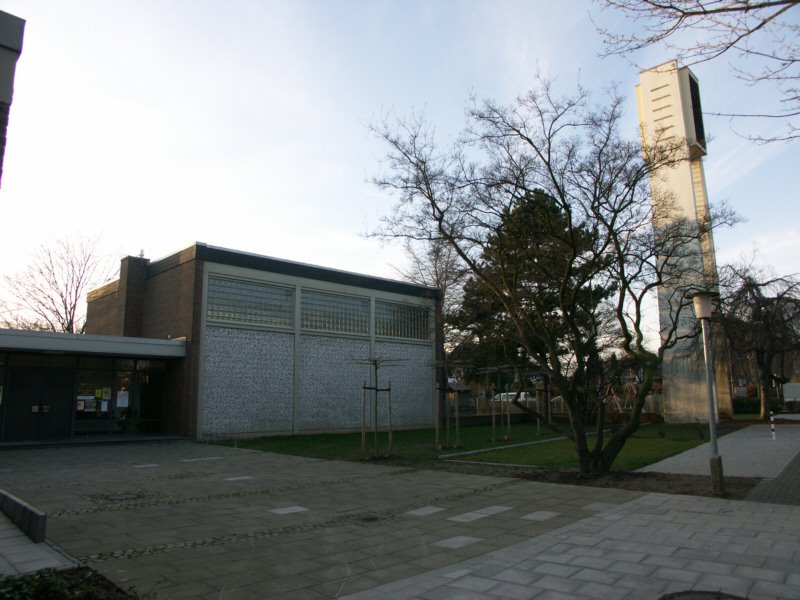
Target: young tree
{"type": "Point", "coordinates": [50, 294]}
{"type": "Point", "coordinates": [761, 317]}
{"type": "Point", "coordinates": [761, 37]}
{"type": "Point", "coordinates": [548, 207]}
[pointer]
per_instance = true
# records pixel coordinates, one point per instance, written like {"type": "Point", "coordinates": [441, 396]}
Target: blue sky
{"type": "Point", "coordinates": [152, 124]}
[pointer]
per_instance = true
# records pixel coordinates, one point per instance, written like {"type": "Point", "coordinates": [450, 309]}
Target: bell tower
{"type": "Point", "coordinates": [668, 99]}
{"type": "Point", "coordinates": [11, 29]}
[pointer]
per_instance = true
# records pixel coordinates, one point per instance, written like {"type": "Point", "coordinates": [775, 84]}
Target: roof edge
{"type": "Point", "coordinates": [258, 262]}
{"type": "Point", "coordinates": [110, 345]}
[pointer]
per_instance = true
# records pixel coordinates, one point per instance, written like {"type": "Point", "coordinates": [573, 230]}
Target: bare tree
{"type": "Point", "coordinates": [434, 263]}
{"type": "Point", "coordinates": [600, 256]}
{"type": "Point", "coordinates": [761, 317]}
{"type": "Point", "coordinates": [50, 293]}
{"type": "Point", "coordinates": [760, 37]}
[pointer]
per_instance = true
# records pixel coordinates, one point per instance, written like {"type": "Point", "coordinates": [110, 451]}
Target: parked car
{"type": "Point", "coordinates": [509, 397]}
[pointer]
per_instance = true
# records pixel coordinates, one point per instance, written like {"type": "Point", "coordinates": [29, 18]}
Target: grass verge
{"type": "Point", "coordinates": [415, 444]}
{"type": "Point", "coordinates": [650, 444]}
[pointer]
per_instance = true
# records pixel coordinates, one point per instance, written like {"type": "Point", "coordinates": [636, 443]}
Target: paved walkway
{"type": "Point", "coordinates": [654, 545]}
{"type": "Point", "coordinates": [18, 554]}
{"type": "Point", "coordinates": [750, 452]}
{"type": "Point", "coordinates": [185, 520]}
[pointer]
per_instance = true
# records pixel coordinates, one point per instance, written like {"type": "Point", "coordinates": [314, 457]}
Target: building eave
{"type": "Point", "coordinates": [236, 258]}
{"type": "Point", "coordinates": [15, 340]}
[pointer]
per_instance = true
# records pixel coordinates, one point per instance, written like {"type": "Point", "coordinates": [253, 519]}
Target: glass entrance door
{"type": "Point", "coordinates": [38, 404]}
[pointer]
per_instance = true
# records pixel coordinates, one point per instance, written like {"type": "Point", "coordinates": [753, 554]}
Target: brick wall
{"type": "Point", "coordinates": [168, 302]}
{"type": "Point", "coordinates": [157, 303]}
{"type": "Point", "coordinates": [132, 285]}
{"type": "Point", "coordinates": [116, 308]}
{"type": "Point", "coordinates": [172, 302]}
{"type": "Point", "coordinates": [102, 310]}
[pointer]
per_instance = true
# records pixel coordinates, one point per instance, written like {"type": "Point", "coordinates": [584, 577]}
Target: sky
{"type": "Point", "coordinates": [152, 124]}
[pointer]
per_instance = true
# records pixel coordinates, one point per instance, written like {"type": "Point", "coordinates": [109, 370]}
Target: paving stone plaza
{"type": "Point", "coordinates": [187, 520]}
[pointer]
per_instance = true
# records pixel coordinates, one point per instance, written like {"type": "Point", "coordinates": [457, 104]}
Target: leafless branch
{"type": "Point", "coordinates": [761, 37]}
{"type": "Point", "coordinates": [49, 294]}
{"type": "Point", "coordinates": [548, 209]}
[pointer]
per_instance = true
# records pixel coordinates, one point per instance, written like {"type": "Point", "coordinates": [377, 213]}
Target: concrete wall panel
{"type": "Point", "coordinates": [248, 382]}
{"type": "Point", "coordinates": [332, 374]}
{"type": "Point", "coordinates": [412, 378]}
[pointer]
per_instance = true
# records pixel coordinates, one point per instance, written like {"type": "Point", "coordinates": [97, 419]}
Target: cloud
{"type": "Point", "coordinates": [732, 159]}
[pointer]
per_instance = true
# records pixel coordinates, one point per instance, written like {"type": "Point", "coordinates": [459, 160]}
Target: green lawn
{"type": "Point", "coordinates": [416, 444]}
{"type": "Point", "coordinates": [650, 444]}
{"type": "Point", "coordinates": [747, 417]}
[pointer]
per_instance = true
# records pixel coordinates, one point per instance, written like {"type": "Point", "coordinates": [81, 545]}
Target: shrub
{"type": "Point", "coordinates": [72, 584]}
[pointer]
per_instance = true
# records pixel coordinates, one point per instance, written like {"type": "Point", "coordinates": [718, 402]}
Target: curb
{"type": "Point", "coordinates": [31, 521]}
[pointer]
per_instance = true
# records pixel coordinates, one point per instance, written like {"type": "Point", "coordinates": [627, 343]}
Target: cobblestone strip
{"type": "Point", "coordinates": [167, 501]}
{"type": "Point", "coordinates": [361, 518]}
{"type": "Point", "coordinates": [151, 476]}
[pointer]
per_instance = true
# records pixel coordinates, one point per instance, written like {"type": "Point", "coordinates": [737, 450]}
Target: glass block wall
{"type": "Point", "coordinates": [401, 320]}
{"type": "Point", "coordinates": [259, 304]}
{"type": "Point", "coordinates": [334, 313]}
{"type": "Point", "coordinates": [248, 302]}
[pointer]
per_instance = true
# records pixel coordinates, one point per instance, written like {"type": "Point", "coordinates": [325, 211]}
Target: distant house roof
{"type": "Point", "coordinates": [458, 386]}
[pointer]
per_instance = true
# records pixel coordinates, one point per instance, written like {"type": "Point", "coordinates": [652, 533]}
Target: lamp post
{"type": "Point", "coordinates": [702, 311]}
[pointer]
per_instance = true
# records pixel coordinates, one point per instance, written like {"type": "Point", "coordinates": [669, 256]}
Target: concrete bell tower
{"type": "Point", "coordinates": [668, 99]}
{"type": "Point", "coordinates": [11, 30]}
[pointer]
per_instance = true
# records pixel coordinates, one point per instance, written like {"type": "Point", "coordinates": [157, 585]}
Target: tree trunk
{"type": "Point", "coordinates": [617, 441]}
{"type": "Point", "coordinates": [578, 436]}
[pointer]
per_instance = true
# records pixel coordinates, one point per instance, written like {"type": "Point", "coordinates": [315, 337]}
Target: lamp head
{"type": "Point", "coordinates": [702, 303]}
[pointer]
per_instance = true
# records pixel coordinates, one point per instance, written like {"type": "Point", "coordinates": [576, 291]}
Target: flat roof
{"type": "Point", "coordinates": [16, 340]}
{"type": "Point", "coordinates": [235, 258]}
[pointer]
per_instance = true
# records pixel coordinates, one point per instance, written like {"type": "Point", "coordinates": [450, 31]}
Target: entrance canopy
{"type": "Point", "coordinates": [14, 340]}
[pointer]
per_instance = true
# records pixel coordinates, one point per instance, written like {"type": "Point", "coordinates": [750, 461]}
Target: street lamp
{"type": "Point", "coordinates": [702, 311]}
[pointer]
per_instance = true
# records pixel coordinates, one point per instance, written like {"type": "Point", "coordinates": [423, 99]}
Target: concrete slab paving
{"type": "Point", "coordinates": [300, 528]}
{"type": "Point", "coordinates": [748, 452]}
{"type": "Point", "coordinates": [20, 555]}
{"type": "Point", "coordinates": [295, 528]}
{"type": "Point", "coordinates": [651, 562]}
